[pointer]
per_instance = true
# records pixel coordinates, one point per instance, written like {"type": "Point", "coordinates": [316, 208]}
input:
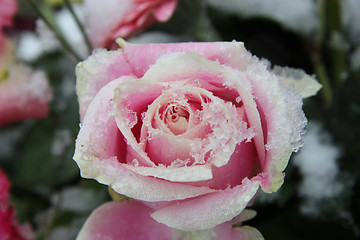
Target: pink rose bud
{"type": "Point", "coordinates": [23, 94]}
{"type": "Point", "coordinates": [131, 220]}
{"type": "Point", "coordinates": [8, 9]}
{"type": "Point", "coordinates": [9, 227]}
{"type": "Point", "coordinates": [193, 129]}
{"type": "Point", "coordinates": [123, 18]}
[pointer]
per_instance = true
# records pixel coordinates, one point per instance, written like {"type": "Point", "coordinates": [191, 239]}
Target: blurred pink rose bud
{"type": "Point", "coordinates": [107, 20]}
{"type": "Point", "coordinates": [23, 94]}
{"type": "Point", "coordinates": [131, 220]}
{"type": "Point", "coordinates": [9, 227]}
{"type": "Point", "coordinates": [193, 128]}
{"type": "Point", "coordinates": [7, 11]}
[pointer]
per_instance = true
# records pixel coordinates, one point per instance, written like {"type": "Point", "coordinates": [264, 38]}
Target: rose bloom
{"type": "Point", "coordinates": [24, 93]}
{"type": "Point", "coordinates": [191, 129]}
{"type": "Point", "coordinates": [123, 18]}
{"type": "Point", "coordinates": [131, 220]}
{"type": "Point", "coordinates": [9, 227]}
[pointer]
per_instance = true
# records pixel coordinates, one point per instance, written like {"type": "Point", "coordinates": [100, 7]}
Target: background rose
{"type": "Point", "coordinates": [7, 12]}
{"type": "Point", "coordinates": [9, 227]}
{"type": "Point", "coordinates": [123, 18]}
{"type": "Point", "coordinates": [192, 127]}
{"type": "Point", "coordinates": [131, 220]}
{"type": "Point", "coordinates": [23, 94]}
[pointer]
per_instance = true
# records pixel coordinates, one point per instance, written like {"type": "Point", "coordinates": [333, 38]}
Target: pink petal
{"type": "Point", "coordinates": [284, 122]}
{"type": "Point", "coordinates": [126, 220]}
{"type": "Point", "coordinates": [131, 220]}
{"type": "Point", "coordinates": [98, 27]}
{"type": "Point", "coordinates": [7, 11]}
{"type": "Point", "coordinates": [242, 164]}
{"type": "Point", "coordinates": [9, 226]}
{"type": "Point", "coordinates": [131, 99]}
{"type": "Point", "coordinates": [165, 11]}
{"type": "Point", "coordinates": [209, 210]}
{"type": "Point", "coordinates": [98, 70]}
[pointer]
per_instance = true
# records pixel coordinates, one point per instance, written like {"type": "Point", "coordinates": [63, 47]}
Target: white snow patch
{"type": "Point", "coordinates": [29, 47]}
{"type": "Point", "coordinates": [297, 15]}
{"type": "Point", "coordinates": [8, 139]}
{"type": "Point", "coordinates": [355, 59]}
{"type": "Point", "coordinates": [351, 19]}
{"type": "Point", "coordinates": [317, 162]}
{"type": "Point", "coordinates": [62, 139]}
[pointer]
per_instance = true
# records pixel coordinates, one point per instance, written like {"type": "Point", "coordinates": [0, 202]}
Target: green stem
{"type": "Point", "coordinates": [57, 33]}
{"type": "Point", "coordinates": [336, 42]}
{"type": "Point", "coordinates": [80, 26]}
{"type": "Point", "coordinates": [322, 76]}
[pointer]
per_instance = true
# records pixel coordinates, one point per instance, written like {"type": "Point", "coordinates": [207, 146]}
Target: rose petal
{"type": "Point", "coordinates": [99, 135]}
{"type": "Point", "coordinates": [175, 174]}
{"type": "Point", "coordinates": [208, 211]}
{"type": "Point", "coordinates": [97, 71]}
{"type": "Point", "coordinates": [131, 184]}
{"type": "Point", "coordinates": [243, 163]}
{"type": "Point", "coordinates": [285, 120]}
{"type": "Point", "coordinates": [131, 99]}
{"type": "Point", "coordinates": [125, 220]}
{"type": "Point", "coordinates": [99, 27]}
{"type": "Point", "coordinates": [164, 12]}
{"type": "Point", "coordinates": [297, 79]}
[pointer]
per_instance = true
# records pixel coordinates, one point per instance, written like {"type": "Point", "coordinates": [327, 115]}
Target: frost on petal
{"type": "Point", "coordinates": [209, 210]}
{"type": "Point", "coordinates": [131, 100]}
{"type": "Point", "coordinates": [134, 185]}
{"type": "Point", "coordinates": [125, 220]}
{"type": "Point", "coordinates": [298, 80]}
{"type": "Point", "coordinates": [24, 94]}
{"type": "Point", "coordinates": [285, 120]}
{"type": "Point", "coordinates": [94, 73]}
{"type": "Point", "coordinates": [99, 137]}
{"type": "Point", "coordinates": [141, 56]}
{"type": "Point", "coordinates": [175, 174]}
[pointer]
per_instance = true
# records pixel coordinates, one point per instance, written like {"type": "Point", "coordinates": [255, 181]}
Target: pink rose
{"type": "Point", "coordinates": [9, 227]}
{"type": "Point", "coordinates": [7, 11]}
{"type": "Point", "coordinates": [131, 220]}
{"type": "Point", "coordinates": [23, 94]}
{"type": "Point", "coordinates": [191, 129]}
{"type": "Point", "coordinates": [107, 20]}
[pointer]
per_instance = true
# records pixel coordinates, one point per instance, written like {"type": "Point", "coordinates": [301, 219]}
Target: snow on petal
{"type": "Point", "coordinates": [175, 174]}
{"type": "Point", "coordinates": [297, 79]}
{"type": "Point", "coordinates": [209, 210]}
{"type": "Point", "coordinates": [23, 94]}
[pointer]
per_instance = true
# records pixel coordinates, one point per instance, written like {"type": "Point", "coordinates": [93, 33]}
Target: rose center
{"type": "Point", "coordinates": [176, 118]}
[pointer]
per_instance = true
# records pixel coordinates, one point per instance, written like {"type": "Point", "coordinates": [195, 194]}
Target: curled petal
{"type": "Point", "coordinates": [125, 220]}
{"type": "Point", "coordinates": [209, 210]}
